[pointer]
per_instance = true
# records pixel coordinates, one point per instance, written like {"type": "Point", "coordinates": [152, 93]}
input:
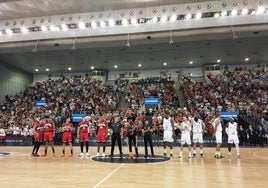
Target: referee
{"type": "Point", "coordinates": [147, 132]}
{"type": "Point", "coordinates": [116, 127]}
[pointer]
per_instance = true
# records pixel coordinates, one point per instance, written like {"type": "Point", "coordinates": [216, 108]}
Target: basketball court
{"type": "Point", "coordinates": [19, 169]}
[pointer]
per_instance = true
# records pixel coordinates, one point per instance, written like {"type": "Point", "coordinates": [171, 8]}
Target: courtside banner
{"type": "Point", "coordinates": [151, 101]}
{"type": "Point", "coordinates": [225, 116]}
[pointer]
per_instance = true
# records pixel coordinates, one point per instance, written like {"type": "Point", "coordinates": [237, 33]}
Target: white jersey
{"type": "Point", "coordinates": [167, 126]}
{"type": "Point", "coordinates": [232, 128]}
{"type": "Point", "coordinates": [2, 132]}
{"type": "Point", "coordinates": [185, 127]}
{"type": "Point", "coordinates": [219, 127]}
{"type": "Point", "coordinates": [197, 126]}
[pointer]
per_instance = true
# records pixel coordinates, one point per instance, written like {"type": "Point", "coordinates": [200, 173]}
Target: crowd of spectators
{"type": "Point", "coordinates": [243, 90]}
{"type": "Point", "coordinates": [63, 96]}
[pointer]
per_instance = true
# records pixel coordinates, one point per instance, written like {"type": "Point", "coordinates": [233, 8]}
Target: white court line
{"type": "Point", "coordinates": [255, 155]}
{"type": "Point", "coordinates": [108, 176]}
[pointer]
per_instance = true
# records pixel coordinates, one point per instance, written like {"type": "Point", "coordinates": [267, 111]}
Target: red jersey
{"type": "Point", "coordinates": [101, 126]}
{"type": "Point", "coordinates": [83, 126]}
{"type": "Point", "coordinates": [67, 127]}
{"type": "Point", "coordinates": [48, 125]}
{"type": "Point", "coordinates": [38, 127]}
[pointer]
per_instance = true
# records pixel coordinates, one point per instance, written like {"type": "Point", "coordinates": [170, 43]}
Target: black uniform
{"type": "Point", "coordinates": [116, 128]}
{"type": "Point", "coordinates": [148, 138]}
{"type": "Point", "coordinates": [132, 133]}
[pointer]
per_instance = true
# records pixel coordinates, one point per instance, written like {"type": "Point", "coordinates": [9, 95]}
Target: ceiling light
{"type": "Point", "coordinates": [47, 69]}
{"type": "Point", "coordinates": [173, 18]}
{"type": "Point", "coordinates": [69, 68]}
{"type": "Point", "coordinates": [164, 18]}
{"type": "Point", "coordinates": [92, 67]}
{"type": "Point", "coordinates": [188, 16]}
{"type": "Point", "coordinates": [223, 13]}
{"type": "Point", "coordinates": [54, 28]}
{"type": "Point", "coordinates": [93, 24]}
{"type": "Point", "coordinates": [64, 27]}
{"type": "Point", "coordinates": [139, 65]}
{"type": "Point", "coordinates": [234, 12]}
{"type": "Point", "coordinates": [198, 15]}
{"type": "Point", "coordinates": [24, 30]}
{"type": "Point", "coordinates": [165, 64]}
{"type": "Point", "coordinates": [218, 61]}
{"type": "Point", "coordinates": [81, 25]}
{"type": "Point", "coordinates": [43, 28]}
{"type": "Point", "coordinates": [134, 21]}
{"type": "Point", "coordinates": [244, 11]}
{"type": "Point", "coordinates": [111, 23]}
{"type": "Point", "coordinates": [102, 23]}
{"type": "Point", "coordinates": [115, 66]}
{"type": "Point", "coordinates": [124, 22]}
{"type": "Point", "coordinates": [253, 12]}
{"type": "Point", "coordinates": [191, 62]}
{"type": "Point", "coordinates": [154, 19]}
{"type": "Point", "coordinates": [246, 59]}
{"type": "Point", "coordinates": [36, 70]}
{"type": "Point", "coordinates": [217, 15]}
{"type": "Point", "coordinates": [8, 31]}
{"type": "Point", "coordinates": [260, 10]}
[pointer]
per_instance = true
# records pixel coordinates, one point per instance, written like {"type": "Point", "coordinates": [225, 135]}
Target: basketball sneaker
{"type": "Point", "coordinates": [189, 155]}
{"type": "Point", "coordinates": [98, 154]}
{"type": "Point", "coordinates": [194, 155]}
{"type": "Point", "coordinates": [171, 155]}
{"type": "Point", "coordinates": [201, 155]}
{"type": "Point", "coordinates": [103, 154]}
{"type": "Point", "coordinates": [44, 155]}
{"type": "Point", "coordinates": [87, 154]}
{"type": "Point", "coordinates": [81, 155]}
{"type": "Point", "coordinates": [180, 155]}
{"type": "Point", "coordinates": [71, 156]}
{"type": "Point", "coordinates": [164, 155]}
{"type": "Point", "coordinates": [62, 156]}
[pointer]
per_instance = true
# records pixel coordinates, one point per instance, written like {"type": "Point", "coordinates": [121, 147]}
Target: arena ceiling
{"type": "Point", "coordinates": [231, 45]}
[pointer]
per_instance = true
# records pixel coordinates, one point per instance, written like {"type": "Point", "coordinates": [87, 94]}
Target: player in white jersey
{"type": "Point", "coordinates": [198, 128]}
{"type": "Point", "coordinates": [218, 134]}
{"type": "Point", "coordinates": [231, 130]}
{"type": "Point", "coordinates": [185, 128]}
{"type": "Point", "coordinates": [168, 127]}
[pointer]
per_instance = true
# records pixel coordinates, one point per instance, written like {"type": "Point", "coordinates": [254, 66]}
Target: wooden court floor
{"type": "Point", "coordinates": [21, 170]}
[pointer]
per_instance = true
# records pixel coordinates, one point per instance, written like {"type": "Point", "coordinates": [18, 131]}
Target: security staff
{"type": "Point", "coordinates": [147, 130]}
{"type": "Point", "coordinates": [117, 134]}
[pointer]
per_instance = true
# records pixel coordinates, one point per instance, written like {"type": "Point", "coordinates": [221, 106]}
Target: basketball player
{"type": "Point", "coordinates": [147, 130]}
{"type": "Point", "coordinates": [218, 134]}
{"type": "Point", "coordinates": [2, 135]}
{"type": "Point", "coordinates": [82, 134]}
{"type": "Point", "coordinates": [117, 134]}
{"type": "Point", "coordinates": [185, 128]}
{"type": "Point", "coordinates": [198, 128]}
{"type": "Point", "coordinates": [49, 132]}
{"type": "Point", "coordinates": [231, 130]}
{"type": "Point", "coordinates": [67, 128]}
{"type": "Point", "coordinates": [37, 135]}
{"type": "Point", "coordinates": [101, 135]}
{"type": "Point", "coordinates": [168, 136]}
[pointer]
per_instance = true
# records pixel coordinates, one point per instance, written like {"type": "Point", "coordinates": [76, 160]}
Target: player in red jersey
{"type": "Point", "coordinates": [102, 125]}
{"type": "Point", "coordinates": [49, 132]}
{"type": "Point", "coordinates": [37, 135]}
{"type": "Point", "coordinates": [82, 134]}
{"type": "Point", "coordinates": [67, 128]}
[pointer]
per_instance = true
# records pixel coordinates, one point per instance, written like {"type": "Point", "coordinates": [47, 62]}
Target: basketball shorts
{"type": "Point", "coordinates": [218, 136]}
{"type": "Point", "coordinates": [168, 136]}
{"type": "Point", "coordinates": [67, 137]}
{"type": "Point", "coordinates": [198, 137]}
{"type": "Point", "coordinates": [185, 138]}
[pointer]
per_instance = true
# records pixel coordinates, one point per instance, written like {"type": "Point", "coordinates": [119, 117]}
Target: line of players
{"type": "Point", "coordinates": [44, 130]}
